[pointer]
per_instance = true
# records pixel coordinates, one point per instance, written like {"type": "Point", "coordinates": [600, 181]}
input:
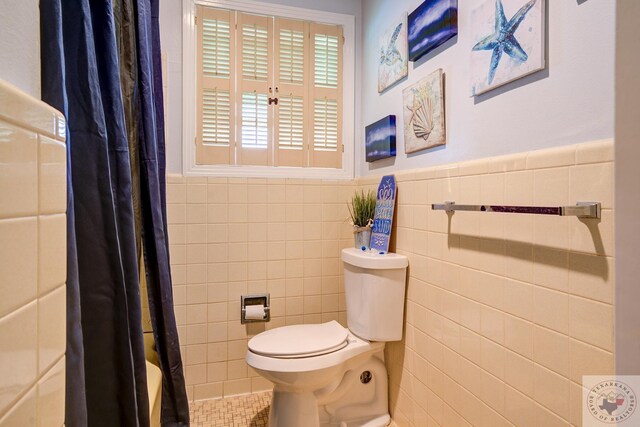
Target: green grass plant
{"type": "Point", "coordinates": [362, 207]}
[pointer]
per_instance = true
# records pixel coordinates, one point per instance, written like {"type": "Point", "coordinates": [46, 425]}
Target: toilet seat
{"type": "Point", "coordinates": [353, 347]}
{"type": "Point", "coordinates": [298, 341]}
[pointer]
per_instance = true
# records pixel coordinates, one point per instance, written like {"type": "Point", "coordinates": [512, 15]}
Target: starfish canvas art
{"type": "Point", "coordinates": [423, 107]}
{"type": "Point", "coordinates": [508, 37]}
{"type": "Point", "coordinates": [394, 63]}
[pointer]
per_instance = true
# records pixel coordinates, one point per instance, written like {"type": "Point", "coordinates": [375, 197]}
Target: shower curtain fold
{"type": "Point", "coordinates": [155, 245]}
{"type": "Point", "coordinates": [54, 93]}
{"type": "Point", "coordinates": [124, 17]}
{"type": "Point", "coordinates": [82, 76]}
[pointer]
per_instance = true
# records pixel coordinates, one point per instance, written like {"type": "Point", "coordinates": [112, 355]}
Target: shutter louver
{"type": "Point", "coordinates": [325, 125]}
{"type": "Point", "coordinates": [292, 50]}
{"type": "Point", "coordinates": [255, 126]}
{"type": "Point", "coordinates": [216, 118]}
{"type": "Point", "coordinates": [291, 122]}
{"type": "Point", "coordinates": [216, 48]}
{"type": "Point", "coordinates": [326, 60]}
{"type": "Point", "coordinates": [215, 82]}
{"type": "Point", "coordinates": [255, 52]}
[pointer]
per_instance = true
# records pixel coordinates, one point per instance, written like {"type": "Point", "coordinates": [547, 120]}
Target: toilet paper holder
{"type": "Point", "coordinates": [257, 299]}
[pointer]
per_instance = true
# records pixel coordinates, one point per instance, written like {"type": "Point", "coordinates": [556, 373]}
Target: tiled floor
{"type": "Point", "coordinates": [250, 410]}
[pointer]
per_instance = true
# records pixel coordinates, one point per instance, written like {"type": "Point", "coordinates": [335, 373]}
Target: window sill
{"type": "Point", "coordinates": [267, 172]}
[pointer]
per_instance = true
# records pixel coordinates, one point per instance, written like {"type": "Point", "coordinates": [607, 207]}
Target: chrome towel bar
{"type": "Point", "coordinates": [581, 209]}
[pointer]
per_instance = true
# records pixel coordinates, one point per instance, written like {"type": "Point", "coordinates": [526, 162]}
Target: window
{"type": "Point", "coordinates": [268, 92]}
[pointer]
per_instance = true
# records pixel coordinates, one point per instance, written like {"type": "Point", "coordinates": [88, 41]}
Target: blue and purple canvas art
{"type": "Point", "coordinates": [380, 139]}
{"type": "Point", "coordinates": [431, 24]}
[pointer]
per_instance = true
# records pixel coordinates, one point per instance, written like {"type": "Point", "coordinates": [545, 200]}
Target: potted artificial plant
{"type": "Point", "coordinates": [362, 209]}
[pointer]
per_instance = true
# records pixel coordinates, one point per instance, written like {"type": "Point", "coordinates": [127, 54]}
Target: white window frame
{"type": "Point", "coordinates": [189, 78]}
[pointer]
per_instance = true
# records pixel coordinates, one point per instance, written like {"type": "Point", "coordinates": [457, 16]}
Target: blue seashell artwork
{"type": "Point", "coordinates": [430, 25]}
{"type": "Point", "coordinates": [508, 38]}
{"type": "Point", "coordinates": [380, 139]}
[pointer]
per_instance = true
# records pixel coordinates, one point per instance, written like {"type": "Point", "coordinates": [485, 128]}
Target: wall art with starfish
{"type": "Point", "coordinates": [508, 42]}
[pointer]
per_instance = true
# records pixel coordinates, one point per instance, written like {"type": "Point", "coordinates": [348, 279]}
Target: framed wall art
{"type": "Point", "coordinates": [380, 139]}
{"type": "Point", "coordinates": [508, 42]}
{"type": "Point", "coordinates": [423, 108]}
{"type": "Point", "coordinates": [430, 25]}
{"type": "Point", "coordinates": [394, 63]}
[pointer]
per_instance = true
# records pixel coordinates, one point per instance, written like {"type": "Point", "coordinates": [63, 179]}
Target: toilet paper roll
{"type": "Point", "coordinates": [254, 312]}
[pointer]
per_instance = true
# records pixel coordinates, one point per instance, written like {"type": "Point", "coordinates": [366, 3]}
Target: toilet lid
{"type": "Point", "coordinates": [300, 340]}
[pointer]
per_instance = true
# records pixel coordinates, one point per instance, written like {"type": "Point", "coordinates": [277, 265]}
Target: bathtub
{"type": "Point", "coordinates": [154, 385]}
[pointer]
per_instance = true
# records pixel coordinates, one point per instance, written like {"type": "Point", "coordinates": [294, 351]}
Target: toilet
{"type": "Point", "coordinates": [326, 374]}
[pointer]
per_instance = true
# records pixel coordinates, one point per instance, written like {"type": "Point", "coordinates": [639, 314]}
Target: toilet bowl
{"type": "Point", "coordinates": [326, 374]}
{"type": "Point", "coordinates": [314, 383]}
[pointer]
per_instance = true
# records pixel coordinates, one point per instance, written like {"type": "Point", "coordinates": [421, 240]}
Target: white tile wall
{"type": "Point", "coordinates": [231, 237]}
{"type": "Point", "coordinates": [505, 313]}
{"type": "Point", "coordinates": [32, 261]}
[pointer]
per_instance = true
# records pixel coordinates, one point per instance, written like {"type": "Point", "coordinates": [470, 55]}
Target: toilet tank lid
{"type": "Point", "coordinates": [372, 260]}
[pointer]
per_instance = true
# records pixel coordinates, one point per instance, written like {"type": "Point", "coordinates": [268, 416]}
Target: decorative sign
{"type": "Point", "coordinates": [383, 217]}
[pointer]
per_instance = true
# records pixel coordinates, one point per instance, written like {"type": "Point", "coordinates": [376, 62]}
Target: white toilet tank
{"type": "Point", "coordinates": [374, 287]}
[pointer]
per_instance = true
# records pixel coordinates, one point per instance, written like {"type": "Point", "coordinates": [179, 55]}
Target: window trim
{"type": "Point", "coordinates": [189, 47]}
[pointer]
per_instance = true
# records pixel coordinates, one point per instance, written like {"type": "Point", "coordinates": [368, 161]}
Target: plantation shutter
{"type": "Point", "coordinates": [269, 91]}
{"type": "Point", "coordinates": [254, 34]}
{"type": "Point", "coordinates": [326, 96]}
{"type": "Point", "coordinates": [292, 77]}
{"type": "Point", "coordinates": [215, 87]}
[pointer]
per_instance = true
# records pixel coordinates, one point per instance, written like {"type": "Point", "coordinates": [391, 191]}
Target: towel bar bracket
{"type": "Point", "coordinates": [583, 210]}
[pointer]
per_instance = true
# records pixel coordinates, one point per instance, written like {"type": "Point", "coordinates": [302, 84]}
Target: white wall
{"type": "Point", "coordinates": [571, 101]}
{"type": "Point", "coordinates": [20, 44]}
{"type": "Point", "coordinates": [627, 237]}
{"type": "Point", "coordinates": [171, 39]}
{"type": "Point", "coordinates": [171, 43]}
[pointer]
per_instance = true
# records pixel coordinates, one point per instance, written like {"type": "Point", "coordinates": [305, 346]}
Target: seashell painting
{"type": "Point", "coordinates": [423, 106]}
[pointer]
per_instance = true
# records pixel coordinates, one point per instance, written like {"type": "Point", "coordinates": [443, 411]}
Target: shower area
{"type": "Point", "coordinates": [86, 295]}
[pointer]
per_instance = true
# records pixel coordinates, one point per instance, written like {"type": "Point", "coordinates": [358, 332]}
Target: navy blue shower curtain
{"type": "Point", "coordinates": [54, 93]}
{"type": "Point", "coordinates": [81, 76]}
{"type": "Point", "coordinates": [153, 207]}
